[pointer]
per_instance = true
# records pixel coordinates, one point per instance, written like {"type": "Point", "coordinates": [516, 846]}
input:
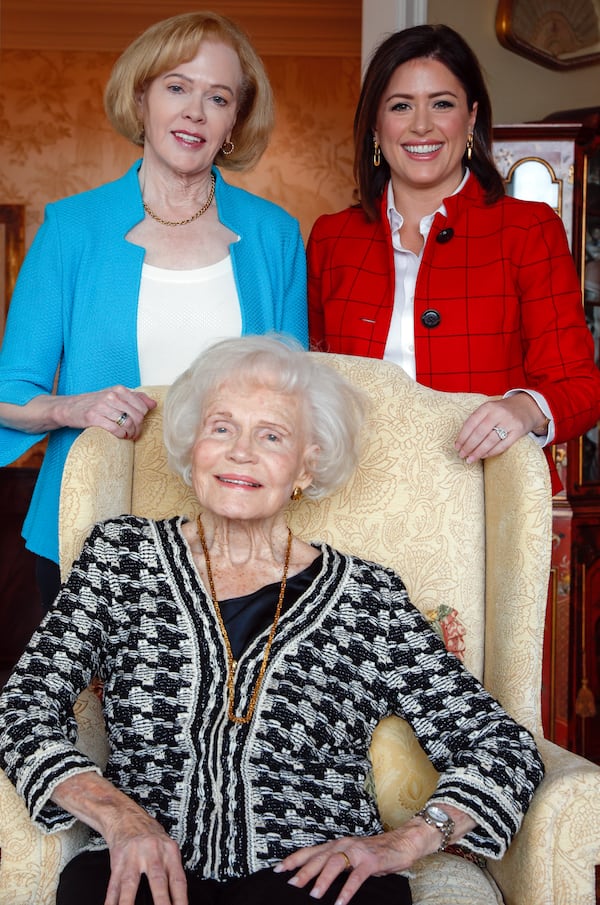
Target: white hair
{"type": "Point", "coordinates": [334, 409]}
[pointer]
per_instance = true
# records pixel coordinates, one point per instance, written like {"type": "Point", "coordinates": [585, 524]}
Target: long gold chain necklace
{"type": "Point", "coordinates": [191, 219]}
{"type": "Point", "coordinates": [231, 664]}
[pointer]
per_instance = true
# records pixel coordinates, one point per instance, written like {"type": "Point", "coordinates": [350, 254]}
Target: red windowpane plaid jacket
{"type": "Point", "coordinates": [504, 285]}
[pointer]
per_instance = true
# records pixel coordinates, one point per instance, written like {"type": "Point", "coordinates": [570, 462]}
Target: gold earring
{"type": "Point", "coordinates": [296, 494]}
{"type": "Point", "coordinates": [376, 153]}
{"type": "Point", "coordinates": [470, 144]}
{"type": "Point", "coordinates": [228, 148]}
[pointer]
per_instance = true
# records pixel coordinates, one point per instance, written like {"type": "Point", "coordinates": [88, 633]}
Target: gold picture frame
{"type": "Point", "coordinates": [559, 34]}
{"type": "Point", "coordinates": [12, 252]}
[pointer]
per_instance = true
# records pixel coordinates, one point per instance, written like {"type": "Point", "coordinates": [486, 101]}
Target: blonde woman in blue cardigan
{"type": "Point", "coordinates": [124, 285]}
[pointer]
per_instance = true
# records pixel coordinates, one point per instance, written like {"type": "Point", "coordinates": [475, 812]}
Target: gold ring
{"type": "Point", "coordinates": [122, 419]}
{"type": "Point", "coordinates": [347, 860]}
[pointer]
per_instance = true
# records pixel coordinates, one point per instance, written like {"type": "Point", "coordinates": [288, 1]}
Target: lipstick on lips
{"type": "Point", "coordinates": [424, 150]}
{"type": "Point", "coordinates": [188, 138]}
{"type": "Point", "coordinates": [236, 480]}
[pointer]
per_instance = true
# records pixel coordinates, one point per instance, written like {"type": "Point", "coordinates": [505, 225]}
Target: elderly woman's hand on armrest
{"type": "Point", "coordinates": [369, 856]}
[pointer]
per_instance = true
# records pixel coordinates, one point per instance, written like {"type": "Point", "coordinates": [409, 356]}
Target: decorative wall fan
{"type": "Point", "coordinates": [560, 34]}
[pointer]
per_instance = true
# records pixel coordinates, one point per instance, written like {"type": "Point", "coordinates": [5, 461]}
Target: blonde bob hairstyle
{"type": "Point", "coordinates": [177, 40]}
{"type": "Point", "coordinates": [333, 409]}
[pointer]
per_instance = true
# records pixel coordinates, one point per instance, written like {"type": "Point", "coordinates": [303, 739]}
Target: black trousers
{"type": "Point", "coordinates": [47, 574]}
{"type": "Point", "coordinates": [85, 880]}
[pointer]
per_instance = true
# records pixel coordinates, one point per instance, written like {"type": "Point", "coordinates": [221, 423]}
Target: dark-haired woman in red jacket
{"type": "Point", "coordinates": [438, 270]}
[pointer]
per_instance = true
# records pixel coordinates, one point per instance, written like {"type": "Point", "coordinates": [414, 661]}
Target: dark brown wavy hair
{"type": "Point", "coordinates": [435, 42]}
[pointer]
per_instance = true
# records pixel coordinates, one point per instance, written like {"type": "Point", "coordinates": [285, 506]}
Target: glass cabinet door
{"type": "Point", "coordinates": [538, 166]}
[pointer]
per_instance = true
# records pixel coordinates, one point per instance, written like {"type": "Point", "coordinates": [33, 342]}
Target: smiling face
{"type": "Point", "coordinates": [250, 452]}
{"type": "Point", "coordinates": [190, 110]}
{"type": "Point", "coordinates": [422, 125]}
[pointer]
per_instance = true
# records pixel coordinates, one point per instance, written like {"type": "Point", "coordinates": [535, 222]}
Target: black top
{"type": "Point", "coordinates": [246, 617]}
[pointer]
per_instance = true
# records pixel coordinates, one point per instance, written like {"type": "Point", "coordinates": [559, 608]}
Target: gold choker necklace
{"type": "Point", "coordinates": [191, 219]}
{"type": "Point", "coordinates": [231, 664]}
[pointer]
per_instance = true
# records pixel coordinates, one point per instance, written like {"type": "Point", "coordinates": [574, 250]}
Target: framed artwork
{"type": "Point", "coordinates": [560, 34]}
{"type": "Point", "coordinates": [12, 251]}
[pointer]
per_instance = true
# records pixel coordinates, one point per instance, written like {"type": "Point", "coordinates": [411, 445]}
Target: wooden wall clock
{"type": "Point", "coordinates": [560, 34]}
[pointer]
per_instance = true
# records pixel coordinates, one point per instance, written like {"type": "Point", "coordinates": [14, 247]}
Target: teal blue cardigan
{"type": "Point", "coordinates": [75, 309]}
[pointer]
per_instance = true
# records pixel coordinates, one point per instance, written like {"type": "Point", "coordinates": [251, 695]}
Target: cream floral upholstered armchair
{"type": "Point", "coordinates": [472, 543]}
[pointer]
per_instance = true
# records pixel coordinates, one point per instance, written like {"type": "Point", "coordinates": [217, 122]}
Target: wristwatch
{"type": "Point", "coordinates": [433, 815]}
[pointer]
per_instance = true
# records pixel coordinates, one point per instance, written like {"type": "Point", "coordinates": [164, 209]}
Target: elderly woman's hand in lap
{"type": "Point", "coordinates": [137, 843]}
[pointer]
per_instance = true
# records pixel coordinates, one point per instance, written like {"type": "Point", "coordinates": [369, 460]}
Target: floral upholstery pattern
{"type": "Point", "coordinates": [445, 621]}
{"type": "Point", "coordinates": [472, 543]}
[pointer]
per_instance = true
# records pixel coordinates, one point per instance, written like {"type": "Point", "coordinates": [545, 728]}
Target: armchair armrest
{"type": "Point", "coordinates": [553, 856]}
{"type": "Point", "coordinates": [31, 860]}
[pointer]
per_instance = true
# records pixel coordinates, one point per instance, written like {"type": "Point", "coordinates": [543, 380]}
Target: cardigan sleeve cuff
{"type": "Point", "coordinates": [38, 781]}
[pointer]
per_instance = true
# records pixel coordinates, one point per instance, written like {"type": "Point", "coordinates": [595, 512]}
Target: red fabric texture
{"type": "Point", "coordinates": [505, 286]}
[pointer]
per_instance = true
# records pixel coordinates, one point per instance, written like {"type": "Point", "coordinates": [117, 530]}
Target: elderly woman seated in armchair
{"type": "Point", "coordinates": [244, 672]}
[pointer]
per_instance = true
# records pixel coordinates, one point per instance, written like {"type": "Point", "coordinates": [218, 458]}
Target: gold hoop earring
{"type": "Point", "coordinates": [470, 144]}
{"type": "Point", "coordinates": [228, 148]}
{"type": "Point", "coordinates": [296, 494]}
{"type": "Point", "coordinates": [376, 153]}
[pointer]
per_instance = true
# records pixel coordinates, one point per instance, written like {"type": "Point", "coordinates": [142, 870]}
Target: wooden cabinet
{"type": "Point", "coordinates": [558, 161]}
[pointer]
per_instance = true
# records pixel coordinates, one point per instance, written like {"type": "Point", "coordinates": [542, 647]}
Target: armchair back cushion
{"type": "Point", "coordinates": [451, 530]}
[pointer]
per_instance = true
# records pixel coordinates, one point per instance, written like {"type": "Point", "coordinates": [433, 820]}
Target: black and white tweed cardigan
{"type": "Point", "coordinates": [237, 798]}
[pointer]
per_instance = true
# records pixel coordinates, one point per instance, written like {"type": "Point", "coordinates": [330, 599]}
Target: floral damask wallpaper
{"type": "Point", "coordinates": [55, 139]}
